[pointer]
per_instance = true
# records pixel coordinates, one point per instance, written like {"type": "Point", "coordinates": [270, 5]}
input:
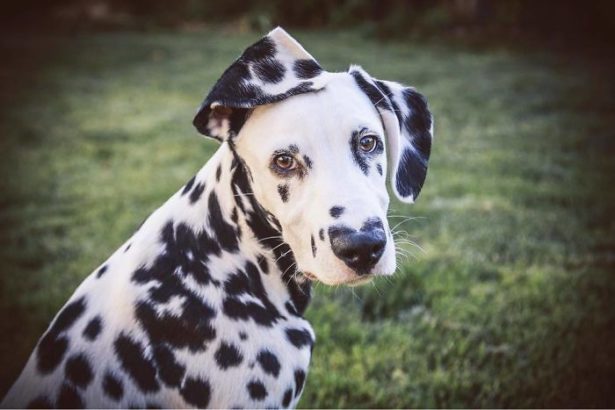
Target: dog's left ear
{"type": "Point", "coordinates": [271, 70]}
{"type": "Point", "coordinates": [408, 126]}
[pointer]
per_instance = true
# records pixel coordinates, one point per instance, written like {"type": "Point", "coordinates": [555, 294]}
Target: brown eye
{"type": "Point", "coordinates": [368, 143]}
{"type": "Point", "coordinates": [285, 162]}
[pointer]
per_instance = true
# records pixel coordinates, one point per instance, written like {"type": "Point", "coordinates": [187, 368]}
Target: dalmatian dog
{"type": "Point", "coordinates": [203, 306]}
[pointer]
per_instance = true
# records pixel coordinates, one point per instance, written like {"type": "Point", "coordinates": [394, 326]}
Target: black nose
{"type": "Point", "coordinates": [359, 250]}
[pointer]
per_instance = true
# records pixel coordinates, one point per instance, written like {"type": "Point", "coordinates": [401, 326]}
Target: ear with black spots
{"type": "Point", "coordinates": [408, 126]}
{"type": "Point", "coordinates": [269, 71]}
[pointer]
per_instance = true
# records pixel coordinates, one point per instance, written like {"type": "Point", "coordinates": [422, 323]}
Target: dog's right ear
{"type": "Point", "coordinates": [269, 71]}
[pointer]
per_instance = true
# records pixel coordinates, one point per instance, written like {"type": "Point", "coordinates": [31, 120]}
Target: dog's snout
{"type": "Point", "coordinates": [359, 250]}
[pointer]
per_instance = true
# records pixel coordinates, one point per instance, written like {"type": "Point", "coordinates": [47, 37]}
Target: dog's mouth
{"type": "Point", "coordinates": [356, 281]}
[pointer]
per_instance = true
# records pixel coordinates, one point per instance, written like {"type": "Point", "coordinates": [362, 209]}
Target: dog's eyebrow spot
{"type": "Point", "coordinates": [293, 149]}
{"type": "Point", "coordinates": [308, 161]}
{"type": "Point", "coordinates": [336, 211]}
{"type": "Point", "coordinates": [283, 191]}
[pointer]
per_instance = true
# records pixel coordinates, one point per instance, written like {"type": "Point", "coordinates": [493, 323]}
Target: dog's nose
{"type": "Point", "coordinates": [360, 250]}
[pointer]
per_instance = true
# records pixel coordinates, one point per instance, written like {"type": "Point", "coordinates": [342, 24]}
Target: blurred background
{"type": "Point", "coordinates": [506, 282]}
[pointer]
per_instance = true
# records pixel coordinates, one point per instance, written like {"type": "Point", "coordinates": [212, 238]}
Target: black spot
{"type": "Point", "coordinates": [127, 247]}
{"type": "Point", "coordinates": [379, 168]}
{"type": "Point", "coordinates": [223, 231]}
{"type": "Point", "coordinates": [308, 161]}
{"type": "Point", "coordinates": [290, 308]}
{"type": "Point", "coordinates": [321, 234]}
{"type": "Point", "coordinates": [249, 282]}
{"type": "Point", "coordinates": [227, 356]}
{"type": "Point", "coordinates": [257, 390]}
{"type": "Point", "coordinates": [373, 93]}
{"type": "Point", "coordinates": [262, 49]}
{"type": "Point", "coordinates": [269, 70]}
{"type": "Point", "coordinates": [288, 396]}
{"type": "Point", "coordinates": [293, 148]}
{"type": "Point", "coordinates": [299, 380]}
{"type": "Point", "coordinates": [93, 328]}
{"type": "Point", "coordinates": [313, 245]}
{"type": "Point", "coordinates": [101, 271]}
{"type": "Point", "coordinates": [40, 402]}
{"type": "Point", "coordinates": [299, 337]}
{"type": "Point", "coordinates": [243, 336]}
{"type": "Point", "coordinates": [69, 398]}
{"type": "Point", "coordinates": [191, 329]}
{"type": "Point", "coordinates": [188, 186]}
{"type": "Point", "coordinates": [196, 392]}
{"type": "Point", "coordinates": [112, 387]}
{"type": "Point", "coordinates": [196, 193]}
{"type": "Point", "coordinates": [132, 358]}
{"type": "Point", "coordinates": [306, 69]}
{"type": "Point", "coordinates": [218, 173]}
{"type": "Point", "coordinates": [269, 362]}
{"type": "Point", "coordinates": [78, 371]}
{"type": "Point", "coordinates": [283, 191]}
{"type": "Point", "coordinates": [169, 370]}
{"type": "Point", "coordinates": [52, 346]}
{"type": "Point", "coordinates": [336, 211]}
{"type": "Point", "coordinates": [262, 264]}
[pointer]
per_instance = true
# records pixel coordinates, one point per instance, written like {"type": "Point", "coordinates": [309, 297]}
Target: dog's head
{"type": "Point", "coordinates": [316, 146]}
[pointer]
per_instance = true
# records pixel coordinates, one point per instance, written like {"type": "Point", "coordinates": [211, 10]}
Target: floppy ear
{"type": "Point", "coordinates": [408, 126]}
{"type": "Point", "coordinates": [271, 70]}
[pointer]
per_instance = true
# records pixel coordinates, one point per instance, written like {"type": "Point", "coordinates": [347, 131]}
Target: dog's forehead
{"type": "Point", "coordinates": [337, 110]}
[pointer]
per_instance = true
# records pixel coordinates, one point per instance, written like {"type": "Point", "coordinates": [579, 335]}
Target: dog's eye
{"type": "Point", "coordinates": [285, 162]}
{"type": "Point", "coordinates": [368, 143]}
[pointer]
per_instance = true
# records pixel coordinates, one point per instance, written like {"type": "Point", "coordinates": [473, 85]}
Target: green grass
{"type": "Point", "coordinates": [508, 305]}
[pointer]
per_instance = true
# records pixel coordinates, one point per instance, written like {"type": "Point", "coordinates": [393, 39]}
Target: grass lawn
{"type": "Point", "coordinates": [509, 303]}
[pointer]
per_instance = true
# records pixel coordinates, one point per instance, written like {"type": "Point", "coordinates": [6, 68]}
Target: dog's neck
{"type": "Point", "coordinates": [241, 218]}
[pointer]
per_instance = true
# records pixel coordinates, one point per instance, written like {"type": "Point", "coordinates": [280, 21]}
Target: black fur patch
{"type": "Point", "coordinates": [227, 356]}
{"type": "Point", "coordinates": [218, 173]}
{"type": "Point", "coordinates": [196, 392]}
{"type": "Point", "coordinates": [257, 390]}
{"type": "Point", "coordinates": [313, 245]}
{"type": "Point", "coordinates": [262, 264]}
{"type": "Point", "coordinates": [69, 398]}
{"type": "Point", "coordinates": [336, 211]}
{"type": "Point", "coordinates": [373, 93]}
{"type": "Point", "coordinates": [113, 387]}
{"type": "Point", "coordinates": [196, 193]}
{"type": "Point", "coordinates": [101, 271]}
{"type": "Point", "coordinates": [306, 69]}
{"type": "Point", "coordinates": [249, 282]}
{"type": "Point", "coordinates": [269, 70]}
{"type": "Point", "coordinates": [243, 336]}
{"type": "Point", "coordinates": [78, 371]}
{"type": "Point", "coordinates": [188, 186]}
{"type": "Point", "coordinates": [133, 361]}
{"type": "Point", "coordinates": [224, 232]}
{"type": "Point", "coordinates": [169, 370]}
{"type": "Point", "coordinates": [269, 362]}
{"type": "Point", "coordinates": [299, 380]}
{"type": "Point", "coordinates": [288, 396]}
{"type": "Point", "coordinates": [299, 337]}
{"type": "Point", "coordinates": [93, 328]}
{"type": "Point", "coordinates": [321, 234]}
{"type": "Point", "coordinates": [379, 168]}
{"type": "Point", "coordinates": [192, 329]}
{"type": "Point", "coordinates": [40, 402]}
{"type": "Point", "coordinates": [308, 161]}
{"type": "Point", "coordinates": [52, 346]}
{"type": "Point", "coordinates": [283, 191]}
